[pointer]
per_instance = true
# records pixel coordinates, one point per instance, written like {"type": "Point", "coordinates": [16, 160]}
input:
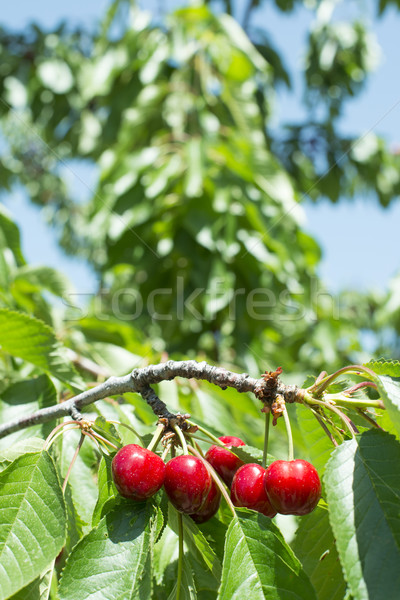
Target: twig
{"type": "Point", "coordinates": [140, 381]}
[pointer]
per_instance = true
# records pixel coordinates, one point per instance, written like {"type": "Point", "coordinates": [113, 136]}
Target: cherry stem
{"type": "Point", "coordinates": [75, 456]}
{"type": "Point", "coordinates": [91, 436]}
{"type": "Point", "coordinates": [216, 479]}
{"type": "Point", "coordinates": [207, 433]}
{"type": "Point", "coordinates": [180, 556]}
{"type": "Point", "coordinates": [266, 438]}
{"type": "Point", "coordinates": [156, 437]}
{"type": "Point", "coordinates": [198, 448]}
{"type": "Point", "coordinates": [58, 434]}
{"type": "Point", "coordinates": [196, 437]}
{"type": "Point", "coordinates": [165, 452]}
{"type": "Point", "coordinates": [181, 437]}
{"type": "Point", "coordinates": [104, 440]}
{"type": "Point", "coordinates": [289, 434]}
{"type": "Point", "coordinates": [52, 434]}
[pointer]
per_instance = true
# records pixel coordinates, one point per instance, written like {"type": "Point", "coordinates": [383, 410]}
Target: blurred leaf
{"type": "Point", "coordinates": [10, 236]}
{"type": "Point", "coordinates": [28, 338]}
{"type": "Point", "coordinates": [56, 75]}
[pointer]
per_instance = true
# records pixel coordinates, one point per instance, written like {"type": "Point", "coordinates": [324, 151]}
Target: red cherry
{"type": "Point", "coordinates": [248, 489]}
{"type": "Point", "coordinates": [187, 483]}
{"type": "Point", "coordinates": [138, 473]}
{"type": "Point", "coordinates": [224, 462]}
{"type": "Point", "coordinates": [210, 506]}
{"type": "Point", "coordinates": [293, 487]}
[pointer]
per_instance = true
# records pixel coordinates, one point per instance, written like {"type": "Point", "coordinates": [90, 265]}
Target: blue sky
{"type": "Point", "coordinates": [359, 232]}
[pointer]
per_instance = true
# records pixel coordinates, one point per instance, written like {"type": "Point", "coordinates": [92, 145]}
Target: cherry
{"type": "Point", "coordinates": [224, 462]}
{"type": "Point", "coordinates": [248, 489]}
{"type": "Point", "coordinates": [210, 506]}
{"type": "Point", "coordinates": [138, 473]}
{"type": "Point", "coordinates": [187, 483]}
{"type": "Point", "coordinates": [293, 487]}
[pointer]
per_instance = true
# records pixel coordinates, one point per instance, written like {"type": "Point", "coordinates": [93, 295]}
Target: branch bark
{"type": "Point", "coordinates": [140, 381]}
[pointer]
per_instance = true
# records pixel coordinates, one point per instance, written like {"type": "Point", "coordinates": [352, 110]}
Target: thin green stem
{"type": "Point", "coordinates": [196, 437]}
{"type": "Point", "coordinates": [289, 434]}
{"type": "Point", "coordinates": [91, 436]}
{"type": "Point", "coordinates": [156, 437]}
{"type": "Point", "coordinates": [216, 479]}
{"type": "Point", "coordinates": [343, 400]}
{"type": "Point", "coordinates": [58, 434]}
{"type": "Point", "coordinates": [47, 443]}
{"type": "Point", "coordinates": [198, 448]}
{"type": "Point", "coordinates": [180, 557]}
{"type": "Point", "coordinates": [104, 440]}
{"type": "Point", "coordinates": [207, 433]}
{"type": "Point", "coordinates": [181, 437]}
{"type": "Point", "coordinates": [81, 440]}
{"type": "Point", "coordinates": [266, 438]}
{"type": "Point", "coordinates": [166, 451]}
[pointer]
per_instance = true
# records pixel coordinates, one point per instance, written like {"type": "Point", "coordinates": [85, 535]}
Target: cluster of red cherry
{"type": "Point", "coordinates": [287, 487]}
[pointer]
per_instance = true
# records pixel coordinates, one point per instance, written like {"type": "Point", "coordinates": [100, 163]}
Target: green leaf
{"type": "Point", "coordinates": [195, 541]}
{"type": "Point", "coordinates": [107, 490]}
{"type": "Point", "coordinates": [11, 453]}
{"type": "Point", "coordinates": [250, 454]}
{"type": "Point", "coordinates": [33, 520]}
{"type": "Point", "coordinates": [314, 546]}
{"type": "Point", "coordinates": [39, 589]}
{"type": "Point", "coordinates": [258, 564]}
{"type": "Point", "coordinates": [81, 480]}
{"type": "Point", "coordinates": [362, 482]}
{"type": "Point", "coordinates": [165, 559]}
{"type": "Point", "coordinates": [187, 587]}
{"type": "Point", "coordinates": [34, 341]}
{"type": "Point", "coordinates": [383, 366]}
{"type": "Point", "coordinates": [107, 430]}
{"type": "Point", "coordinates": [115, 556]}
{"type": "Point", "coordinates": [26, 397]}
{"type": "Point", "coordinates": [390, 394]}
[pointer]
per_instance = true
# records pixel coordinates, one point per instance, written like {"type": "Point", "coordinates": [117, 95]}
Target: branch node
{"type": "Point", "coordinates": [75, 413]}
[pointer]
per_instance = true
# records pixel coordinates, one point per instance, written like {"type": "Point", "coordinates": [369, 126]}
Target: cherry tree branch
{"type": "Point", "coordinates": [140, 381]}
